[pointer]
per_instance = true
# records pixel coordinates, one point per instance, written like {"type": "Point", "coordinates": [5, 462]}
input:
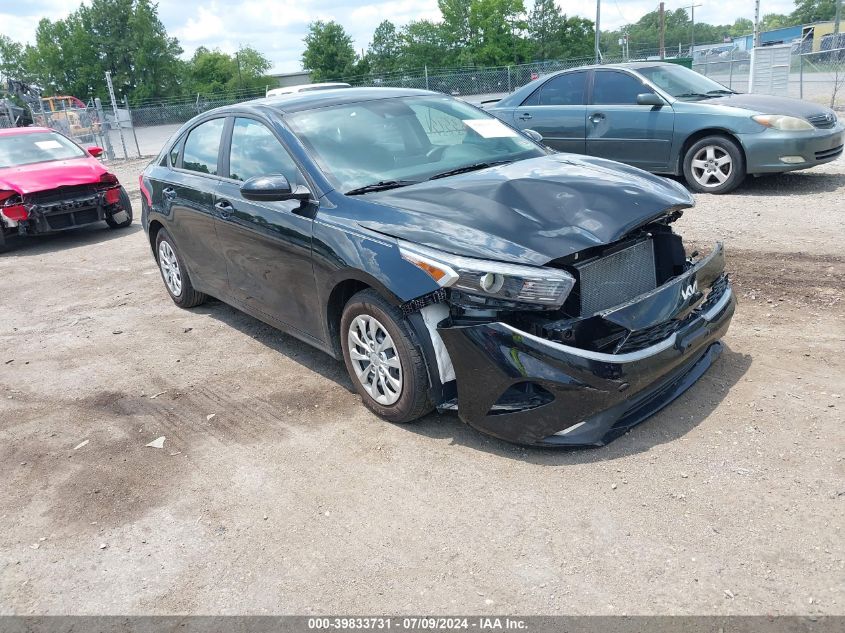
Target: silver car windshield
{"type": "Point", "coordinates": [683, 83]}
{"type": "Point", "coordinates": [405, 140]}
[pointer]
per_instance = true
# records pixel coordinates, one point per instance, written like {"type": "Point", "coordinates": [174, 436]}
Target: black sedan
{"type": "Point", "coordinates": [450, 260]}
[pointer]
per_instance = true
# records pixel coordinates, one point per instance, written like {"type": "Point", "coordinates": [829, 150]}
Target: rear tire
{"type": "Point", "coordinates": [126, 205]}
{"type": "Point", "coordinates": [174, 274]}
{"type": "Point", "coordinates": [714, 164]}
{"type": "Point", "coordinates": [386, 368]}
{"type": "Point", "coordinates": [2, 238]}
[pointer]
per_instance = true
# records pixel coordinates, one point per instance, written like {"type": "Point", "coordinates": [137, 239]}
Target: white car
{"type": "Point", "coordinates": [289, 90]}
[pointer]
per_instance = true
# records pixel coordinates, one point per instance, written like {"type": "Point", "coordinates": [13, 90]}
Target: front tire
{"type": "Point", "coordinates": [714, 164]}
{"type": "Point", "coordinates": [126, 209]}
{"type": "Point", "coordinates": [174, 274]}
{"type": "Point", "coordinates": [386, 368]}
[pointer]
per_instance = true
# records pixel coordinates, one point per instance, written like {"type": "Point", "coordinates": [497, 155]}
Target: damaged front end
{"type": "Point", "coordinates": [63, 207]}
{"type": "Point", "coordinates": [592, 345]}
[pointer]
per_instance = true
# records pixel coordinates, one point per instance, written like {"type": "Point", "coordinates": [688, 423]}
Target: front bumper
{"type": "Point", "coordinates": [763, 151]}
{"type": "Point", "coordinates": [65, 213]}
{"type": "Point", "coordinates": [587, 398]}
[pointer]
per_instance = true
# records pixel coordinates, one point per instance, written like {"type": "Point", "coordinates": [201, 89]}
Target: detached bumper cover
{"type": "Point", "coordinates": [589, 397]}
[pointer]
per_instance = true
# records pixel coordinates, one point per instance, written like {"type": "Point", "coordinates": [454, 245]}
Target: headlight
{"type": "Point", "coordinates": [783, 122]}
{"type": "Point", "coordinates": [496, 280]}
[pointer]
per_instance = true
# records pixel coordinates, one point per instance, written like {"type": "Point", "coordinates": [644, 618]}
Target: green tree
{"type": "Point", "coordinates": [742, 26]}
{"type": "Point", "coordinates": [423, 44]}
{"type": "Point", "coordinates": [329, 53]}
{"type": "Point", "coordinates": [124, 37]}
{"type": "Point", "coordinates": [808, 11]}
{"type": "Point", "coordinates": [772, 21]}
{"type": "Point", "coordinates": [384, 51]}
{"type": "Point", "coordinates": [555, 36]}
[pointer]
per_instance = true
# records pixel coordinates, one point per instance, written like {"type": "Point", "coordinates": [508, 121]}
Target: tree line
{"type": "Point", "coordinates": [127, 38]}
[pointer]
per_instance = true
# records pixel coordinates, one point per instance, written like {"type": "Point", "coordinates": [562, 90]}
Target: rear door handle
{"type": "Point", "coordinates": [224, 208]}
{"type": "Point", "coordinates": [597, 117]}
{"type": "Point", "coordinates": [169, 193]}
{"type": "Point", "coordinates": [525, 116]}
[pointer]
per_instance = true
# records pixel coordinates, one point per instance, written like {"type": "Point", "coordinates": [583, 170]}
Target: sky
{"type": "Point", "coordinates": [276, 28]}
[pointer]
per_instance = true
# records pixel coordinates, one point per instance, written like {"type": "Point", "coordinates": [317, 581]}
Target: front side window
{"type": "Point", "coordinates": [36, 147]}
{"type": "Point", "coordinates": [408, 139]}
{"type": "Point", "coordinates": [615, 88]}
{"type": "Point", "coordinates": [257, 152]}
{"type": "Point", "coordinates": [202, 147]}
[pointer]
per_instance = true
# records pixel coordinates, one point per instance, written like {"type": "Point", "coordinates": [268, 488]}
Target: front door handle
{"type": "Point", "coordinates": [525, 116]}
{"type": "Point", "coordinates": [169, 193]}
{"type": "Point", "coordinates": [597, 117]}
{"type": "Point", "coordinates": [224, 208]}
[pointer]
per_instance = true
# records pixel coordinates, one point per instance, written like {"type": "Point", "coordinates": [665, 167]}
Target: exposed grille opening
{"type": "Point", "coordinates": [67, 220]}
{"type": "Point", "coordinates": [61, 193]}
{"type": "Point", "coordinates": [610, 280]}
{"type": "Point", "coordinates": [822, 121]}
{"type": "Point", "coordinates": [521, 397]}
{"type": "Point", "coordinates": [829, 153]}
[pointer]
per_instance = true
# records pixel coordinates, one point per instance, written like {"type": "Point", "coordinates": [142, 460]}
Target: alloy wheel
{"type": "Point", "coordinates": [711, 166]}
{"type": "Point", "coordinates": [375, 359]}
{"type": "Point", "coordinates": [170, 268]}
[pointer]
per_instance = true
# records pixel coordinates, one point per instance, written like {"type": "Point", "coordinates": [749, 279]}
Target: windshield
{"type": "Point", "coordinates": [36, 147]}
{"type": "Point", "coordinates": [405, 140]}
{"type": "Point", "coordinates": [683, 83]}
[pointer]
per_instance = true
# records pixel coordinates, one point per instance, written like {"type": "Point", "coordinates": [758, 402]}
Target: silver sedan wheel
{"type": "Point", "coordinates": [170, 268]}
{"type": "Point", "coordinates": [711, 166]}
{"type": "Point", "coordinates": [375, 359]}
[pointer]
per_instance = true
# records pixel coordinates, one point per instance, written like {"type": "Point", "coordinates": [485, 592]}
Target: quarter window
{"type": "Point", "coordinates": [615, 88]}
{"type": "Point", "coordinates": [257, 152]}
{"type": "Point", "coordinates": [202, 147]}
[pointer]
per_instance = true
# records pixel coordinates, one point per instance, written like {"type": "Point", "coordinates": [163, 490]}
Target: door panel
{"type": "Point", "coordinates": [619, 129]}
{"type": "Point", "coordinates": [267, 245]}
{"type": "Point", "coordinates": [186, 196]}
{"type": "Point", "coordinates": [556, 110]}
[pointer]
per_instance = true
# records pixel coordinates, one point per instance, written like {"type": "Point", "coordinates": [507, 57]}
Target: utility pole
{"type": "Point", "coordinates": [837, 18]}
{"type": "Point", "coordinates": [598, 31]}
{"type": "Point", "coordinates": [692, 7]}
{"type": "Point", "coordinates": [662, 32]}
{"type": "Point", "coordinates": [754, 43]}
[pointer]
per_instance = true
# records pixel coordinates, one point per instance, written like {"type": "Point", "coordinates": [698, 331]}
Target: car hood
{"type": "Point", "coordinates": [767, 104]}
{"type": "Point", "coordinates": [531, 211]}
{"type": "Point", "coordinates": [43, 176]}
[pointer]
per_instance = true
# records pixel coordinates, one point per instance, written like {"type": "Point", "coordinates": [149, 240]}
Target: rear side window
{"type": "Point", "coordinates": [563, 90]}
{"type": "Point", "coordinates": [257, 152]}
{"type": "Point", "coordinates": [202, 146]}
{"type": "Point", "coordinates": [615, 88]}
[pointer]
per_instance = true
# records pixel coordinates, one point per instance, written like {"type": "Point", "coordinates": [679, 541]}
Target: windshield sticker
{"type": "Point", "coordinates": [48, 144]}
{"type": "Point", "coordinates": [490, 128]}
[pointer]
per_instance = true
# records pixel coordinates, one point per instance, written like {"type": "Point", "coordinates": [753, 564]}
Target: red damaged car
{"type": "Point", "coordinates": [48, 183]}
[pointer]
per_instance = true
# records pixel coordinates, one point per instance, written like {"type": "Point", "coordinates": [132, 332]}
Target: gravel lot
{"type": "Point", "coordinates": [293, 498]}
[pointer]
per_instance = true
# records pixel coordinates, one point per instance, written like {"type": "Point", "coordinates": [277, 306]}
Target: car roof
{"type": "Point", "coordinates": [13, 131]}
{"type": "Point", "coordinates": [623, 65]}
{"type": "Point", "coordinates": [310, 100]}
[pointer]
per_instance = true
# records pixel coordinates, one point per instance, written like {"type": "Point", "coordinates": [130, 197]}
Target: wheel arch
{"type": "Point", "coordinates": [152, 233]}
{"type": "Point", "coordinates": [696, 136]}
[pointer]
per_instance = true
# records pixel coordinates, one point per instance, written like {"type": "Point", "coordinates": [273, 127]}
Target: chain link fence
{"type": "Point", "coordinates": [822, 73]}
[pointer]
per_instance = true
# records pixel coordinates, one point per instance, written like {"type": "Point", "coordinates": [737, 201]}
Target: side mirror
{"type": "Point", "coordinates": [94, 151]}
{"type": "Point", "coordinates": [534, 135]}
{"type": "Point", "coordinates": [650, 99]}
{"type": "Point", "coordinates": [273, 188]}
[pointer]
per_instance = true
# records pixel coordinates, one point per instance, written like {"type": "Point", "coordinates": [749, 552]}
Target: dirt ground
{"type": "Point", "coordinates": [276, 491]}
